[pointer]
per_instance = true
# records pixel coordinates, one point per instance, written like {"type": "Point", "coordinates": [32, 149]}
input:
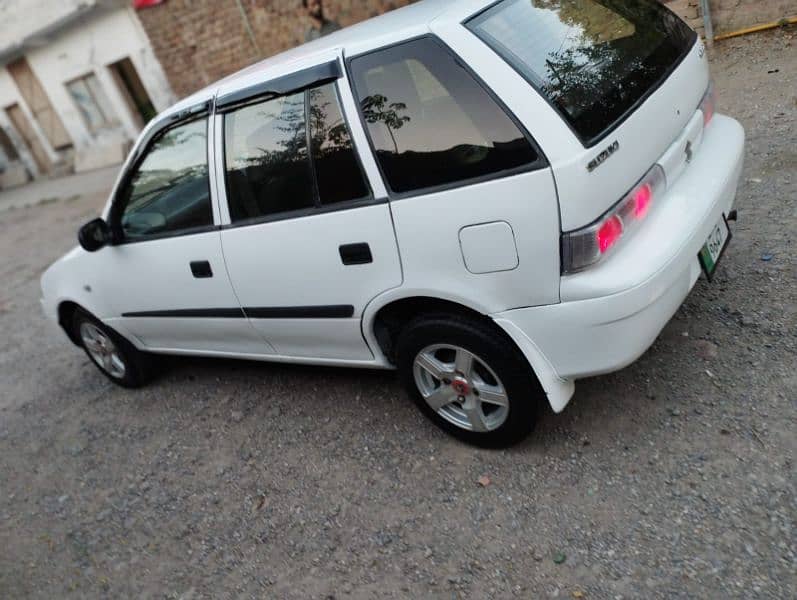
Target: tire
{"type": "Point", "coordinates": [492, 405]}
{"type": "Point", "coordinates": [114, 356]}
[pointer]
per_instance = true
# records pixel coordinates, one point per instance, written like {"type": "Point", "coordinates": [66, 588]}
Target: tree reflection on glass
{"type": "Point", "coordinates": [592, 58]}
{"type": "Point", "coordinates": [338, 174]}
{"type": "Point", "coordinates": [268, 161]}
{"type": "Point", "coordinates": [179, 156]}
{"type": "Point", "coordinates": [376, 109]}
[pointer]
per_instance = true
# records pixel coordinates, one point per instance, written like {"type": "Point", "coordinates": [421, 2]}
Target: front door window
{"type": "Point", "coordinates": [168, 193]}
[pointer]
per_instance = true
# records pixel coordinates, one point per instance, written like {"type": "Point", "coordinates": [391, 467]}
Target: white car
{"type": "Point", "coordinates": [495, 198]}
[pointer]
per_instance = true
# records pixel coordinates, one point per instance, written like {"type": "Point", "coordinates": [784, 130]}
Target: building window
{"type": "Point", "coordinates": [92, 102]}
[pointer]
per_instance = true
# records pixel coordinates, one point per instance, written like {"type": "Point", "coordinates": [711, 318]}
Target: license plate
{"type": "Point", "coordinates": [714, 247]}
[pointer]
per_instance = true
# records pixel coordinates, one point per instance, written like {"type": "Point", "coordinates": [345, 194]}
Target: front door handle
{"type": "Point", "coordinates": [201, 269]}
{"type": "Point", "coordinates": [356, 254]}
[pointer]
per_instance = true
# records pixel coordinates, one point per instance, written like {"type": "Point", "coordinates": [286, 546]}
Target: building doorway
{"type": "Point", "coordinates": [29, 137]}
{"type": "Point", "coordinates": [39, 104]}
{"type": "Point", "coordinates": [7, 149]}
{"type": "Point", "coordinates": [133, 91]}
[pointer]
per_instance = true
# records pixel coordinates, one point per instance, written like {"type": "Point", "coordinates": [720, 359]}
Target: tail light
{"type": "Point", "coordinates": [708, 105]}
{"type": "Point", "coordinates": [585, 247]}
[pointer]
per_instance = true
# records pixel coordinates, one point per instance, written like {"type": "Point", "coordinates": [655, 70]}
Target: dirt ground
{"type": "Point", "coordinates": [674, 478]}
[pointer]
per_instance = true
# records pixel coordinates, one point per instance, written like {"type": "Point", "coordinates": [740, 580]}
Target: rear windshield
{"type": "Point", "coordinates": [593, 59]}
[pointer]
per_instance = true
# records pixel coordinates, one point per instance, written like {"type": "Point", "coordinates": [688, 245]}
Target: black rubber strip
{"type": "Point", "coordinates": [207, 313]}
{"type": "Point", "coordinates": [335, 311]}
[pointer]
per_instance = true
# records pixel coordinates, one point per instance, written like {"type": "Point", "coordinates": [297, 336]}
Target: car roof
{"type": "Point", "coordinates": [391, 27]}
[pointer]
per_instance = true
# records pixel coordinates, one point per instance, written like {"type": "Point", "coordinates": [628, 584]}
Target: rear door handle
{"type": "Point", "coordinates": [356, 254]}
{"type": "Point", "coordinates": [201, 269]}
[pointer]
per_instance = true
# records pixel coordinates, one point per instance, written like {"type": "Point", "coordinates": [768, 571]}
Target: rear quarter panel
{"type": "Point", "coordinates": [428, 230]}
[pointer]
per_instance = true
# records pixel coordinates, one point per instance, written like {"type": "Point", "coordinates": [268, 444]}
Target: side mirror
{"type": "Point", "coordinates": [94, 235]}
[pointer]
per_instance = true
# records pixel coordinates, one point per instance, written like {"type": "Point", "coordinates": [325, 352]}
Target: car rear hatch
{"type": "Point", "coordinates": [626, 76]}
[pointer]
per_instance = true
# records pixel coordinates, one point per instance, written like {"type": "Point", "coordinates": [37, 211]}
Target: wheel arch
{"type": "Point", "coordinates": [382, 322]}
{"type": "Point", "coordinates": [66, 314]}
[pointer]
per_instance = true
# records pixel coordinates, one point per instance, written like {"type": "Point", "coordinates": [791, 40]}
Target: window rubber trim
{"type": "Point", "coordinates": [169, 234]}
{"type": "Point", "coordinates": [310, 158]}
{"type": "Point", "coordinates": [541, 162]}
{"type": "Point", "coordinates": [306, 212]}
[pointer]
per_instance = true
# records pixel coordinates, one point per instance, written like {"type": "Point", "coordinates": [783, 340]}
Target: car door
{"type": "Point", "coordinates": [472, 196]}
{"type": "Point", "coordinates": [164, 275]}
{"type": "Point", "coordinates": [307, 241]}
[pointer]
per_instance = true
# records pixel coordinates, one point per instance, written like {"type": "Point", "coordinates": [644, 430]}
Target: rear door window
{"type": "Point", "coordinates": [268, 169]}
{"type": "Point", "coordinates": [289, 154]}
{"type": "Point", "coordinates": [594, 60]}
{"type": "Point", "coordinates": [430, 122]}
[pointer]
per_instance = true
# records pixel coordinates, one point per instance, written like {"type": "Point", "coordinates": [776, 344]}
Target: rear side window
{"type": "Point", "coordinates": [592, 59]}
{"type": "Point", "coordinates": [169, 192]}
{"type": "Point", "coordinates": [278, 160]}
{"type": "Point", "coordinates": [430, 122]}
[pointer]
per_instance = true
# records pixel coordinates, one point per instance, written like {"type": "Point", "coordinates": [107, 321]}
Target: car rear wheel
{"type": "Point", "coordinates": [469, 379]}
{"type": "Point", "coordinates": [114, 356]}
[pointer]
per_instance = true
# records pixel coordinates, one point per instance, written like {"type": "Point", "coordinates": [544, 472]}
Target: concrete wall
{"type": "Point", "coordinates": [89, 46]}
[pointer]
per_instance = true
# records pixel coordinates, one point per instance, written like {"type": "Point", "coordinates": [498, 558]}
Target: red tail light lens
{"type": "Point", "coordinates": [609, 233]}
{"type": "Point", "coordinates": [585, 247]}
{"type": "Point", "coordinates": [642, 198]}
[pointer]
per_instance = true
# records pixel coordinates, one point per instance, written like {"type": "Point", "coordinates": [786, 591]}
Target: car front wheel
{"type": "Point", "coordinates": [469, 379]}
{"type": "Point", "coordinates": [114, 356]}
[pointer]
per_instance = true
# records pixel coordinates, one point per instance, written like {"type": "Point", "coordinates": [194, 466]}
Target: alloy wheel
{"type": "Point", "coordinates": [102, 350]}
{"type": "Point", "coordinates": [461, 388]}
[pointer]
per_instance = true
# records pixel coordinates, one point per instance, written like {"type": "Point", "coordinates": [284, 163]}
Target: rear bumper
{"type": "Point", "coordinates": [610, 315]}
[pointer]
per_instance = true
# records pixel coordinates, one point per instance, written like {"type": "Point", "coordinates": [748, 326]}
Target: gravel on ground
{"type": "Point", "coordinates": [674, 478]}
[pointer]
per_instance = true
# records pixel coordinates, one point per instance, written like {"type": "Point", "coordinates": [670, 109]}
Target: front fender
{"type": "Point", "coordinates": [71, 279]}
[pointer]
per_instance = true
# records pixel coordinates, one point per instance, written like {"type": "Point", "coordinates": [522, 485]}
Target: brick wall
{"type": "Point", "coordinates": [731, 15]}
{"type": "Point", "coordinates": [200, 41]}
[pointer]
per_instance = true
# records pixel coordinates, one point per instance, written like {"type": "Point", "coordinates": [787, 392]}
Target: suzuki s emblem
{"type": "Point", "coordinates": [603, 157]}
{"type": "Point", "coordinates": [689, 152]}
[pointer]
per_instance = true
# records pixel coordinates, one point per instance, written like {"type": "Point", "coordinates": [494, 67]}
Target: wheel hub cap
{"type": "Point", "coordinates": [460, 387]}
{"type": "Point", "coordinates": [102, 350]}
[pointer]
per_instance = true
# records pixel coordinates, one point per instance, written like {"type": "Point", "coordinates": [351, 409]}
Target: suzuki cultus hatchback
{"type": "Point", "coordinates": [495, 198]}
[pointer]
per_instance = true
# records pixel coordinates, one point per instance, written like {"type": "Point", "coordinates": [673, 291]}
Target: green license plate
{"type": "Point", "coordinates": [715, 245]}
